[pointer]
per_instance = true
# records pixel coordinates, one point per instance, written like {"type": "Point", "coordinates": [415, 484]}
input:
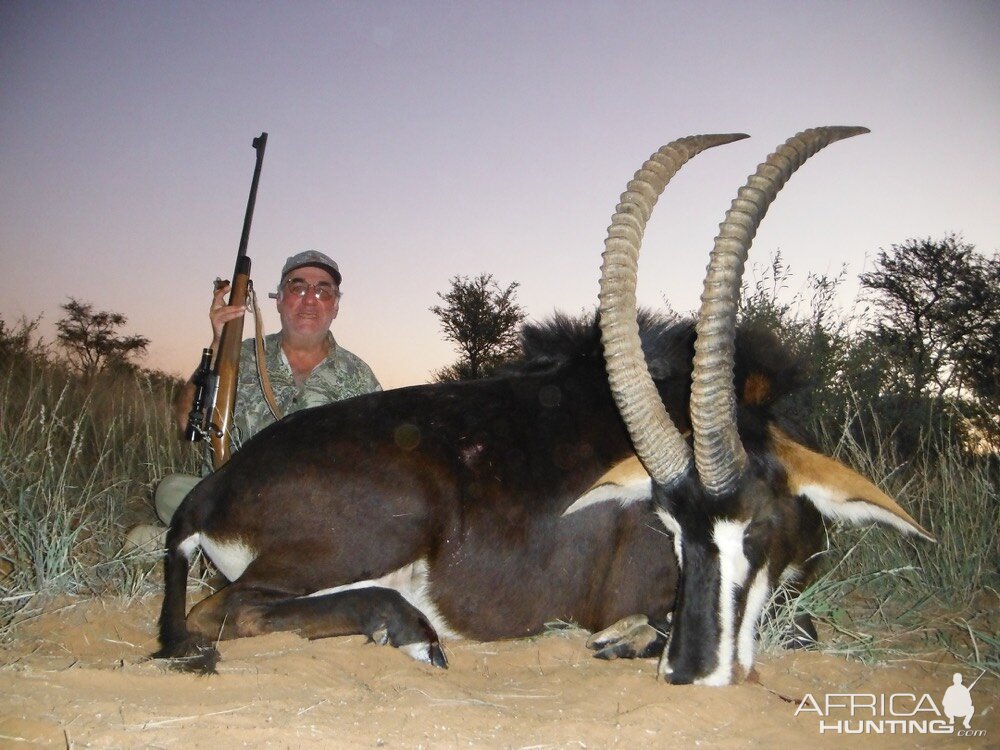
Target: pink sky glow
{"type": "Point", "coordinates": [414, 141]}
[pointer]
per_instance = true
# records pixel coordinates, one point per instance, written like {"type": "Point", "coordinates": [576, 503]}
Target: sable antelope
{"type": "Point", "coordinates": [487, 508]}
{"type": "Point", "coordinates": [745, 508]}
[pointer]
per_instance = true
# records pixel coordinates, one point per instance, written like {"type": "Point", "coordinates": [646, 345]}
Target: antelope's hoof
{"type": "Point", "coordinates": [633, 637]}
{"type": "Point", "coordinates": [194, 654]}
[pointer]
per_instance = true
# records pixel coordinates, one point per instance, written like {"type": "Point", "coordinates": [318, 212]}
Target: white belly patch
{"type": "Point", "coordinates": [412, 582]}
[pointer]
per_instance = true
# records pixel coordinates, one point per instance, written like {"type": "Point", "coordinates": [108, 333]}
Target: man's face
{"type": "Point", "coordinates": [306, 315]}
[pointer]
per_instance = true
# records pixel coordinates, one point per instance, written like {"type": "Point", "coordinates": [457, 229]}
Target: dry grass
{"type": "Point", "coordinates": [77, 463]}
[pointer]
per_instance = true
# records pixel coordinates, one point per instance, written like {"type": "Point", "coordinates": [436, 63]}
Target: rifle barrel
{"type": "Point", "coordinates": [259, 144]}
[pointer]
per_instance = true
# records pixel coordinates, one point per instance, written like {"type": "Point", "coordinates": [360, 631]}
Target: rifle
{"type": "Point", "coordinates": [215, 380]}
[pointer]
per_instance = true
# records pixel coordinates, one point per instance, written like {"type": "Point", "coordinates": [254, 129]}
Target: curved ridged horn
{"type": "Point", "coordinates": [719, 454]}
{"type": "Point", "coordinates": [659, 445]}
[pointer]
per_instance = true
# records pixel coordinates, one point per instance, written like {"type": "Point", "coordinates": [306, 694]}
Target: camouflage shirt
{"type": "Point", "coordinates": [341, 375]}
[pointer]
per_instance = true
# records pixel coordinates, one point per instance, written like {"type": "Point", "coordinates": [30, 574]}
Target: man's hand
{"type": "Point", "coordinates": [220, 313]}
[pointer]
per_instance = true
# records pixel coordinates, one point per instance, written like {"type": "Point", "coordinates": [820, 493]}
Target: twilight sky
{"type": "Point", "coordinates": [414, 141]}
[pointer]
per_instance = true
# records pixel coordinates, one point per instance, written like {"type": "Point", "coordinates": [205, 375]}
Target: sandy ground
{"type": "Point", "coordinates": [79, 677]}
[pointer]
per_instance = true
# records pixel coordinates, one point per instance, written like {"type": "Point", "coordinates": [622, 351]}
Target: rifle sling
{"type": "Point", "coordinates": [265, 379]}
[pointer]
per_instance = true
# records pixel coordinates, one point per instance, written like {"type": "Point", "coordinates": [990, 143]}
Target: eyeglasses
{"type": "Point", "coordinates": [322, 291]}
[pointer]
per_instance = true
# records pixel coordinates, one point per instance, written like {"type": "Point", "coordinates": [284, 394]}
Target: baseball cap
{"type": "Point", "coordinates": [312, 258]}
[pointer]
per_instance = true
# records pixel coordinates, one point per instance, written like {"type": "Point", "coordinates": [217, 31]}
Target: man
{"type": "Point", "coordinates": [305, 365]}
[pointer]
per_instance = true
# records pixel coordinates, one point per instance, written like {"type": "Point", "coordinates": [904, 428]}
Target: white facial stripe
{"type": "Point", "coordinates": [413, 583]}
{"type": "Point", "coordinates": [624, 494]}
{"type": "Point", "coordinates": [670, 523]}
{"type": "Point", "coordinates": [757, 597]}
{"type": "Point", "coordinates": [733, 571]}
{"type": "Point", "coordinates": [231, 557]}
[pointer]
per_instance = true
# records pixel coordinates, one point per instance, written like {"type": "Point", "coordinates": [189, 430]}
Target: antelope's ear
{"type": "Point", "coordinates": [838, 492]}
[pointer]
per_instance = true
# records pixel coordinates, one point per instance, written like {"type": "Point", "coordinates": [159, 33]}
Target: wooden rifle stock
{"type": "Point", "coordinates": [227, 368]}
{"type": "Point", "coordinates": [227, 360]}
